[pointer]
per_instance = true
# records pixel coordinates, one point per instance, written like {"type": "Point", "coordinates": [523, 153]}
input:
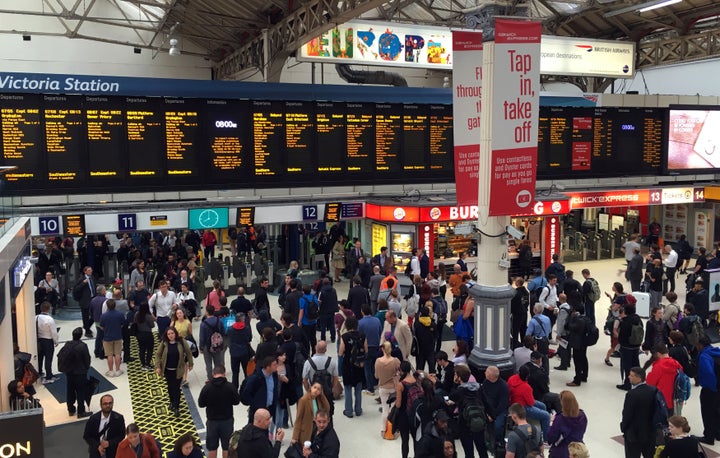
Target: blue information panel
{"type": "Point", "coordinates": [127, 221]}
{"type": "Point", "coordinates": [49, 225]}
{"type": "Point", "coordinates": [310, 213]}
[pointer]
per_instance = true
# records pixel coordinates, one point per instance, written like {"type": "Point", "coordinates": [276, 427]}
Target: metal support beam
{"type": "Point", "coordinates": [668, 51]}
{"type": "Point", "coordinates": [306, 22]}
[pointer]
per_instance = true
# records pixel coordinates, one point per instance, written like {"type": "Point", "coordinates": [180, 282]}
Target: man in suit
{"type": "Point", "coordinates": [357, 296]}
{"type": "Point", "coordinates": [637, 417]}
{"type": "Point", "coordinates": [375, 282]}
{"type": "Point", "coordinates": [382, 260]}
{"type": "Point", "coordinates": [424, 264]}
{"type": "Point", "coordinates": [104, 430]}
{"type": "Point", "coordinates": [83, 292]}
{"type": "Point", "coordinates": [354, 255]}
{"type": "Point", "coordinates": [364, 271]}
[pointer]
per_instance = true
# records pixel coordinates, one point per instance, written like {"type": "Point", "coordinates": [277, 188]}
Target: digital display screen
{"type": "Point", "coordinates": [22, 137]}
{"type": "Point", "coordinates": [330, 136]}
{"type": "Point", "coordinates": [74, 225]}
{"type": "Point", "coordinates": [181, 134]}
{"type": "Point", "coordinates": [299, 137]}
{"type": "Point", "coordinates": [388, 137]}
{"type": "Point", "coordinates": [332, 212]}
{"type": "Point", "coordinates": [64, 138]}
{"type": "Point", "coordinates": [585, 142]}
{"type": "Point", "coordinates": [105, 126]}
{"type": "Point", "coordinates": [245, 216]}
{"type": "Point", "coordinates": [208, 218]}
{"type": "Point", "coordinates": [441, 138]}
{"type": "Point", "coordinates": [269, 137]}
{"type": "Point", "coordinates": [693, 139]}
{"type": "Point", "coordinates": [415, 136]}
{"type": "Point", "coordinates": [228, 139]}
{"type": "Point", "coordinates": [360, 133]}
{"type": "Point", "coordinates": [144, 124]}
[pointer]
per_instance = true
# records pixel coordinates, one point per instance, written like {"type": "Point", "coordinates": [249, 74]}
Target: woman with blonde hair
{"type": "Point", "coordinates": [183, 326]}
{"type": "Point", "coordinates": [578, 450]}
{"type": "Point", "coordinates": [568, 426]}
{"type": "Point", "coordinates": [681, 444]}
{"type": "Point", "coordinates": [386, 370]}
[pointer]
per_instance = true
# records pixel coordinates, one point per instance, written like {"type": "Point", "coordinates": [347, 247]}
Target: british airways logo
{"type": "Point", "coordinates": [587, 48]}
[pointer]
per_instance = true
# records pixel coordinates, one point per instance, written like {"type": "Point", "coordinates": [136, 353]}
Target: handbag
{"type": "Point", "coordinates": [294, 451]}
{"type": "Point", "coordinates": [392, 415]}
{"type": "Point", "coordinates": [251, 366]}
{"type": "Point", "coordinates": [133, 329]}
{"type": "Point", "coordinates": [193, 346]}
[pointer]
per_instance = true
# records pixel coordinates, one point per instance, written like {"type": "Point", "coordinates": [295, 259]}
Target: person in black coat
{"type": "Point", "coordinates": [519, 306]}
{"type": "Point", "coordinates": [539, 380]}
{"type": "Point", "coordinates": [357, 296]}
{"type": "Point", "coordinates": [239, 336]}
{"type": "Point", "coordinates": [637, 416]}
{"type": "Point", "coordinates": [364, 271]}
{"type": "Point", "coordinates": [254, 441]}
{"type": "Point", "coordinates": [255, 392]}
{"type": "Point", "coordinates": [576, 336]}
{"type": "Point", "coordinates": [325, 442]}
{"type": "Point", "coordinates": [104, 443]}
{"type": "Point", "coordinates": [468, 392]}
{"type": "Point", "coordinates": [83, 291]}
{"type": "Point", "coordinates": [433, 439]}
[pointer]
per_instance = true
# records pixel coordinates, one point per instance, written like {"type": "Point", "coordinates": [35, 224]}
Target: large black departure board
{"type": "Point", "coordinates": [80, 144]}
{"type": "Point", "coordinates": [585, 142]}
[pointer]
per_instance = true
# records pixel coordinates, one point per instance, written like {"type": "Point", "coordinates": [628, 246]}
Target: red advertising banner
{"type": "Point", "coordinates": [552, 239]}
{"type": "Point", "coordinates": [467, 91]}
{"type": "Point", "coordinates": [427, 240]}
{"type": "Point", "coordinates": [514, 111]}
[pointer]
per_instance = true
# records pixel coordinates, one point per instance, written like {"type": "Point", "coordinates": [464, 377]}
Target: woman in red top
{"type": "Point", "coordinates": [213, 297]}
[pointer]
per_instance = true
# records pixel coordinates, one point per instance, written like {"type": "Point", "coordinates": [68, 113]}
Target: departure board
{"type": "Point", "coordinates": [22, 137]}
{"type": "Point", "coordinates": [74, 225]}
{"type": "Point", "coordinates": [268, 137]}
{"type": "Point", "coordinates": [299, 137]}
{"type": "Point", "coordinates": [415, 137]}
{"type": "Point", "coordinates": [145, 127]}
{"type": "Point", "coordinates": [599, 141]}
{"type": "Point", "coordinates": [388, 137]}
{"type": "Point", "coordinates": [360, 151]}
{"type": "Point", "coordinates": [105, 126]}
{"type": "Point", "coordinates": [64, 137]}
{"type": "Point", "coordinates": [245, 216]}
{"type": "Point", "coordinates": [330, 136]}
{"type": "Point", "coordinates": [227, 135]}
{"type": "Point", "coordinates": [181, 133]}
{"type": "Point", "coordinates": [332, 212]}
{"type": "Point", "coordinates": [441, 137]}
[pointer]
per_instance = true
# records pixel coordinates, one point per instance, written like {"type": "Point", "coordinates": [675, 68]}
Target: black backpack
{"type": "Point", "coordinates": [323, 377]}
{"type": "Point", "coordinates": [357, 352]}
{"type": "Point", "coordinates": [473, 414]}
{"type": "Point", "coordinates": [313, 309]}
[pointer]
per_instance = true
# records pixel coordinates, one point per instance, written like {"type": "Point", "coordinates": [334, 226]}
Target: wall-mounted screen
{"type": "Point", "coordinates": [693, 139]}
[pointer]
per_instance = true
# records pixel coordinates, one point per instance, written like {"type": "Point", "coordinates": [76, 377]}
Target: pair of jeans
{"type": "Point", "coordinates": [146, 342]}
{"type": "Point", "coordinates": [76, 386]}
{"type": "Point", "coordinates": [212, 360]}
{"type": "Point", "coordinates": [163, 322]}
{"type": "Point", "coordinates": [369, 368]}
{"type": "Point", "coordinates": [46, 349]}
{"type": "Point", "coordinates": [469, 439]}
{"type": "Point", "coordinates": [499, 425]}
{"type": "Point", "coordinates": [539, 412]}
{"type": "Point", "coordinates": [349, 389]}
{"type": "Point", "coordinates": [326, 323]}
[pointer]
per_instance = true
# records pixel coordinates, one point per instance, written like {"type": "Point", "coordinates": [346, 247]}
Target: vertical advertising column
{"type": "Point", "coordinates": [515, 111]}
{"type": "Point", "coordinates": [467, 90]}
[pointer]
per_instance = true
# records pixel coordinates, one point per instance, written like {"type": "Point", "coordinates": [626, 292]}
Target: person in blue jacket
{"type": "Point", "coordinates": [709, 395]}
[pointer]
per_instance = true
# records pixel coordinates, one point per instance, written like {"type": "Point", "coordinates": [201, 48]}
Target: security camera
{"type": "Point", "coordinates": [514, 232]}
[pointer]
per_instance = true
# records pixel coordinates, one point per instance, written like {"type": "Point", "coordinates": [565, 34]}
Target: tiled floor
{"type": "Point", "coordinates": [359, 436]}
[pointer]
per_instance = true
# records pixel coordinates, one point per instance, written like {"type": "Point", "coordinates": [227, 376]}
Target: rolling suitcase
{"type": "Point", "coordinates": [642, 308]}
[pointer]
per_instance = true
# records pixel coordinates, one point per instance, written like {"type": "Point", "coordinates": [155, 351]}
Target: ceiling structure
{"type": "Point", "coordinates": [243, 34]}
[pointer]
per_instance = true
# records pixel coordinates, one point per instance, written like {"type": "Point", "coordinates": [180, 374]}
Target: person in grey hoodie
{"type": "Point", "coordinates": [468, 392]}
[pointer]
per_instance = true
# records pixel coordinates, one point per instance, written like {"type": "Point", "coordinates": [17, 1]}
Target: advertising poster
{"type": "Point", "coordinates": [701, 220]}
{"type": "Point", "coordinates": [714, 290]}
{"type": "Point", "coordinates": [693, 139]}
{"type": "Point", "coordinates": [674, 222]}
{"type": "Point", "coordinates": [467, 91]}
{"type": "Point", "coordinates": [515, 112]}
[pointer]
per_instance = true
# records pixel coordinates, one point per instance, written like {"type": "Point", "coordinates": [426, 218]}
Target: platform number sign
{"type": "Point", "coordinates": [127, 222]}
{"type": "Point", "coordinates": [655, 196]}
{"type": "Point", "coordinates": [310, 212]}
{"type": "Point", "coordinates": [49, 225]}
{"type": "Point", "coordinates": [699, 195]}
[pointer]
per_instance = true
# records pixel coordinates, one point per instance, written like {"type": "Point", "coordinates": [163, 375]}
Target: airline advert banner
{"type": "Point", "coordinates": [467, 89]}
{"type": "Point", "coordinates": [515, 111]}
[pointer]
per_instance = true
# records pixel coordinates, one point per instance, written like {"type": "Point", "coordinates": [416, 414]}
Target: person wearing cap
{"type": "Point", "coordinates": [434, 436]}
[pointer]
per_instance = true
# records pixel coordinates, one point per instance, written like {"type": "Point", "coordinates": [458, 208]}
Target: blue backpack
{"type": "Point", "coordinates": [683, 385]}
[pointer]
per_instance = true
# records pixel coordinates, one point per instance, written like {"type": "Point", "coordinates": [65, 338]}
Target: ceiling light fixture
{"type": "Point", "coordinates": [174, 51]}
{"type": "Point", "coordinates": [641, 7]}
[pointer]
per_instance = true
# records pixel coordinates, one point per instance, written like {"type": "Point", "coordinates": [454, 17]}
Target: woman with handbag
{"type": "Point", "coordinates": [313, 401]}
{"type": "Point", "coordinates": [567, 426]}
{"type": "Point", "coordinates": [386, 371]}
{"type": "Point", "coordinates": [183, 326]}
{"type": "Point", "coordinates": [143, 323]}
{"type": "Point", "coordinates": [172, 356]}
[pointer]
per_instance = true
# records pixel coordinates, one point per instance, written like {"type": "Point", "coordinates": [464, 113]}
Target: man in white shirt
{"type": "Point", "coordinates": [47, 340]}
{"type": "Point", "coordinates": [415, 263]}
{"type": "Point", "coordinates": [549, 299]}
{"type": "Point", "coordinates": [164, 302]}
{"type": "Point", "coordinates": [670, 263]}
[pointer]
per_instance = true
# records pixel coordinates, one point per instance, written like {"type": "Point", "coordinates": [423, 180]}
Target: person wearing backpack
{"type": "Point", "coordinates": [672, 314]}
{"type": "Point", "coordinates": [353, 349]}
{"type": "Point", "coordinates": [524, 438]}
{"type": "Point", "coordinates": [692, 328]}
{"type": "Point", "coordinates": [591, 294]}
{"type": "Point", "coordinates": [322, 369]}
{"type": "Point", "coordinates": [407, 390]}
{"type": "Point", "coordinates": [211, 343]}
{"type": "Point", "coordinates": [577, 327]}
{"type": "Point", "coordinates": [663, 373]}
{"type": "Point", "coordinates": [308, 315]}
{"type": "Point", "coordinates": [708, 364]}
{"type": "Point", "coordinates": [473, 413]}
{"type": "Point", "coordinates": [630, 340]}
{"type": "Point", "coordinates": [638, 416]}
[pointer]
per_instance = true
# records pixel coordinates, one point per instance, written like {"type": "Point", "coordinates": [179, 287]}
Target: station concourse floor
{"type": "Point", "coordinates": [359, 436]}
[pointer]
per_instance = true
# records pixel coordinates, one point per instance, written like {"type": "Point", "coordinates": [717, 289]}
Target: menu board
{"type": "Point", "coordinates": [22, 137]}
{"type": "Point", "coordinates": [144, 125]}
{"type": "Point", "coordinates": [64, 132]}
{"type": "Point", "coordinates": [268, 137]}
{"type": "Point", "coordinates": [299, 137]}
{"type": "Point", "coordinates": [441, 134]}
{"type": "Point", "coordinates": [87, 144]}
{"type": "Point", "coordinates": [330, 136]}
{"type": "Point", "coordinates": [584, 142]}
{"type": "Point", "coordinates": [675, 220]}
{"type": "Point", "coordinates": [415, 136]}
{"type": "Point", "coordinates": [74, 225]}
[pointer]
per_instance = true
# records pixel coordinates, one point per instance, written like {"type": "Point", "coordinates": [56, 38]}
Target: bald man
{"type": "Point", "coordinates": [254, 439]}
{"type": "Point", "coordinates": [497, 394]}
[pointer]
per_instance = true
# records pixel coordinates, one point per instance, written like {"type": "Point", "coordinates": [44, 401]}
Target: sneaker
{"type": "Point", "coordinates": [368, 392]}
{"type": "Point", "coordinates": [119, 373]}
{"type": "Point", "coordinates": [47, 381]}
{"type": "Point", "coordinates": [89, 334]}
{"type": "Point", "coordinates": [109, 374]}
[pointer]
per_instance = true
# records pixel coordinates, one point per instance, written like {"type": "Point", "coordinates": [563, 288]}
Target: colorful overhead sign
{"type": "Point", "coordinates": [635, 197]}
